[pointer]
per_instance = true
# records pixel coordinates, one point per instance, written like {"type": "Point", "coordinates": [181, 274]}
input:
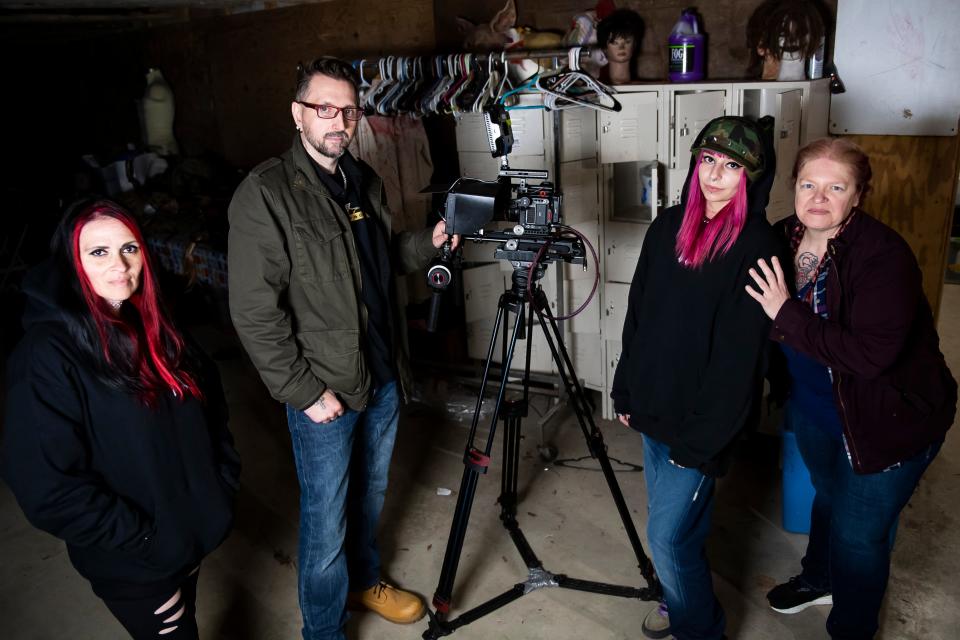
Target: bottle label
{"type": "Point", "coordinates": [681, 58]}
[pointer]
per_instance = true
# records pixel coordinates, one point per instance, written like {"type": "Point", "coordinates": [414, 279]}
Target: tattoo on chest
{"type": "Point", "coordinates": [807, 264]}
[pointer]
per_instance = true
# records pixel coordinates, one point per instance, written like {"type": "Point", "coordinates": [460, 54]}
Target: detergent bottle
{"type": "Point", "coordinates": [687, 49]}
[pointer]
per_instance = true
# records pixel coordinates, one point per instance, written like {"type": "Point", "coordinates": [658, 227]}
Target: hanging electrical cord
{"type": "Point", "coordinates": [596, 270]}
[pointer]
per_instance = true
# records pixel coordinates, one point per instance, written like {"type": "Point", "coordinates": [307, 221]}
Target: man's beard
{"type": "Point", "coordinates": [334, 150]}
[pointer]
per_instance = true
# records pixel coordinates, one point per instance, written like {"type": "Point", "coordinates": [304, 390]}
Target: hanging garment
{"type": "Point", "coordinates": [398, 150]}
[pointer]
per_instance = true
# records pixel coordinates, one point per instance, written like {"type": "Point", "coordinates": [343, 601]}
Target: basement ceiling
{"type": "Point", "coordinates": [33, 20]}
{"type": "Point", "coordinates": [63, 6]}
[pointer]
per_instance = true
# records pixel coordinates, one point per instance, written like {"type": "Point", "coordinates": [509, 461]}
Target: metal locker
{"type": "Point", "coordinates": [631, 133]}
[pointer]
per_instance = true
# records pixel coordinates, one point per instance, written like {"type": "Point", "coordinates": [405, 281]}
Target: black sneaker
{"type": "Point", "coordinates": [796, 595]}
{"type": "Point", "coordinates": [656, 624]}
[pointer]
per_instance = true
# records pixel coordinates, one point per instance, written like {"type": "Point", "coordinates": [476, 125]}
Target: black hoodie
{"type": "Point", "coordinates": [690, 371]}
{"type": "Point", "coordinates": [139, 495]}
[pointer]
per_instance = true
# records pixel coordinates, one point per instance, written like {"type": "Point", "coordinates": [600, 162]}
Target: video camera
{"type": "Point", "coordinates": [471, 204]}
{"type": "Point", "coordinates": [534, 210]}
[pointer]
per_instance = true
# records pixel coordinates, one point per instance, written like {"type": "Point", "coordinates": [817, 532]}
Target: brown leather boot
{"type": "Point", "coordinates": [396, 605]}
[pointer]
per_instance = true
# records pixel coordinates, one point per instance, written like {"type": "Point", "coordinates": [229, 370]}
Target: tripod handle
{"type": "Point", "coordinates": [434, 314]}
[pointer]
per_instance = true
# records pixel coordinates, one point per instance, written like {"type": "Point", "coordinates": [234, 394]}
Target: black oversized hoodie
{"type": "Point", "coordinates": [139, 495]}
{"type": "Point", "coordinates": [690, 370]}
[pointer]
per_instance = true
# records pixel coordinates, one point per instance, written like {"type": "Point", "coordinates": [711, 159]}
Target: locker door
{"type": "Point", "coordinates": [576, 293]}
{"type": "Point", "coordinates": [581, 197]}
{"type": "Point", "coordinates": [691, 112]}
{"type": "Point", "coordinates": [527, 126]}
{"type": "Point", "coordinates": [615, 300]}
{"type": "Point", "coordinates": [578, 133]}
{"type": "Point", "coordinates": [585, 352]}
{"type": "Point", "coordinates": [613, 351]}
{"type": "Point", "coordinates": [624, 240]}
{"type": "Point", "coordinates": [787, 143]}
{"type": "Point", "coordinates": [630, 134]}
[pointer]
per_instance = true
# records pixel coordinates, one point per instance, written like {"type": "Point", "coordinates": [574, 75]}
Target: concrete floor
{"type": "Point", "coordinates": [248, 586]}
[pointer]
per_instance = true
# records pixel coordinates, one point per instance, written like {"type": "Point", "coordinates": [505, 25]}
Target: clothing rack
{"type": "Point", "coordinates": [509, 55]}
{"type": "Point", "coordinates": [469, 82]}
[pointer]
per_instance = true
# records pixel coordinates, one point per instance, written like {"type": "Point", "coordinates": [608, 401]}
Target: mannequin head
{"type": "Point", "coordinates": [619, 36]}
{"type": "Point", "coordinates": [781, 31]}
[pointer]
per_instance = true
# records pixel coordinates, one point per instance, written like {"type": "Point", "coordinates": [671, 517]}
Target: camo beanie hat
{"type": "Point", "coordinates": [738, 138]}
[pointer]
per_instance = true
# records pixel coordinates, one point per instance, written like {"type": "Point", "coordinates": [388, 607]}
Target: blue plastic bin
{"type": "Point", "coordinates": [797, 488]}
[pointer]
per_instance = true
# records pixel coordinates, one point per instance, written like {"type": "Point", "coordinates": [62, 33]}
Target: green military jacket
{"type": "Point", "coordinates": [294, 279]}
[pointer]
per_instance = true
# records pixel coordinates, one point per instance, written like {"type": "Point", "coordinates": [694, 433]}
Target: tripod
{"type": "Point", "coordinates": [477, 461]}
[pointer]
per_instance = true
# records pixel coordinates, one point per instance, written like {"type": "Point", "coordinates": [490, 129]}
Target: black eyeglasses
{"type": "Point", "coordinates": [328, 111]}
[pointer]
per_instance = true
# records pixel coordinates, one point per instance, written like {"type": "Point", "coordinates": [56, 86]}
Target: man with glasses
{"type": "Point", "coordinates": [311, 267]}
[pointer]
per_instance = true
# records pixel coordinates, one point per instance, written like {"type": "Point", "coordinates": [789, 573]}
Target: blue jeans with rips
{"type": "Point", "coordinates": [680, 506]}
{"type": "Point", "coordinates": [853, 525]}
{"type": "Point", "coordinates": [342, 467]}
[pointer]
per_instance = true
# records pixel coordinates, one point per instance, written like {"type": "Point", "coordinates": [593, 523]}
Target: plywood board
{"type": "Point", "coordinates": [913, 187]}
{"type": "Point", "coordinates": [900, 62]}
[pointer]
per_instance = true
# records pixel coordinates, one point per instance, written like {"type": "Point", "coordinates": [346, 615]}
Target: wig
{"type": "Point", "coordinates": [784, 26]}
{"type": "Point", "coordinates": [698, 242]}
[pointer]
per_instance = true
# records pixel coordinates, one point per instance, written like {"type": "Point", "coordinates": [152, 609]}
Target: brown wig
{"type": "Point", "coordinates": [798, 23]}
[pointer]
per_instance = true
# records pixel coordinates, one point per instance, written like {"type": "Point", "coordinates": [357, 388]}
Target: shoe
{"type": "Point", "coordinates": [795, 595]}
{"type": "Point", "coordinates": [396, 605]}
{"type": "Point", "coordinates": [656, 624]}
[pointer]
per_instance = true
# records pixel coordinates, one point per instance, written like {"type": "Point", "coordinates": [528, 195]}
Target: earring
{"type": "Point", "coordinates": [299, 128]}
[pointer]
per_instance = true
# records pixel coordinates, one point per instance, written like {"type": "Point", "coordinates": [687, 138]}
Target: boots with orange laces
{"type": "Point", "coordinates": [396, 605]}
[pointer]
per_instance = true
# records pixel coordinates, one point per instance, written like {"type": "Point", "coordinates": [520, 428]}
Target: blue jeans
{"type": "Point", "coordinates": [680, 506]}
{"type": "Point", "coordinates": [342, 467]}
{"type": "Point", "coordinates": [852, 527]}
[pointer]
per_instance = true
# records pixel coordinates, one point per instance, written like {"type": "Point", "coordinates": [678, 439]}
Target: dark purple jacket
{"type": "Point", "coordinates": [893, 390]}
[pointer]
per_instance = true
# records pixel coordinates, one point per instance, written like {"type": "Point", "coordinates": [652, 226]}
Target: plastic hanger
{"type": "Point", "coordinates": [573, 88]}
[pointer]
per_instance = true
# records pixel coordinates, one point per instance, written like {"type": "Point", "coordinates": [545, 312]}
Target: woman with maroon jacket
{"type": "Point", "coordinates": [871, 397]}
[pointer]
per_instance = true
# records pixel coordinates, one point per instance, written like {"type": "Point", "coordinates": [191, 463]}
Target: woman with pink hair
{"type": "Point", "coordinates": [689, 376]}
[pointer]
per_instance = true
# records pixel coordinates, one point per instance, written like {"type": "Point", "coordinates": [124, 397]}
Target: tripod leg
{"type": "Point", "coordinates": [475, 463]}
{"type": "Point", "coordinates": [508, 494]}
{"type": "Point", "coordinates": [591, 432]}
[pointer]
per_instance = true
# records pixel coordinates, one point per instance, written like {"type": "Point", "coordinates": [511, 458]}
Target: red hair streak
{"type": "Point", "coordinates": [159, 370]}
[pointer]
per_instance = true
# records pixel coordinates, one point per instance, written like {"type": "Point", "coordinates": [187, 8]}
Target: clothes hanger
{"type": "Point", "coordinates": [436, 103]}
{"type": "Point", "coordinates": [489, 80]}
{"type": "Point", "coordinates": [571, 87]}
{"type": "Point", "coordinates": [364, 83]}
{"type": "Point", "coordinates": [474, 87]}
{"type": "Point", "coordinates": [388, 102]}
{"type": "Point", "coordinates": [406, 102]}
{"type": "Point", "coordinates": [459, 78]}
{"type": "Point", "coordinates": [376, 86]}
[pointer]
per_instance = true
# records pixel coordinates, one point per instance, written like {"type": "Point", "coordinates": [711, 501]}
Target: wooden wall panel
{"type": "Point", "coordinates": [913, 188]}
{"type": "Point", "coordinates": [724, 22]}
{"type": "Point", "coordinates": [234, 76]}
{"type": "Point", "coordinates": [181, 53]}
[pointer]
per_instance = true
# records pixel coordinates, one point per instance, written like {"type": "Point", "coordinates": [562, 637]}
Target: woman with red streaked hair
{"type": "Point", "coordinates": [115, 436]}
{"type": "Point", "coordinates": [692, 359]}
